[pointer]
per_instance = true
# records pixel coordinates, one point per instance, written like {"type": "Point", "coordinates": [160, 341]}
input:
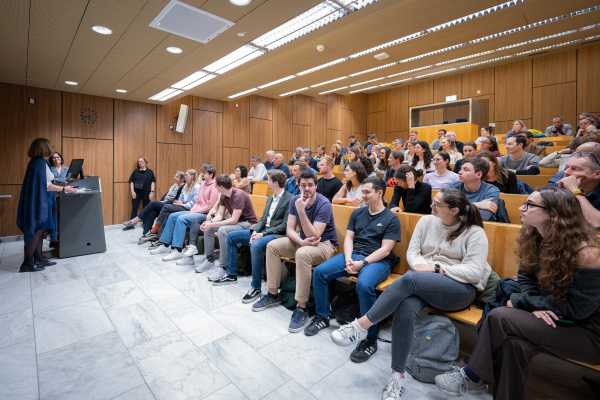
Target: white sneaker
{"type": "Point", "coordinates": [174, 255]}
{"type": "Point", "coordinates": [393, 390]}
{"type": "Point", "coordinates": [216, 273]}
{"type": "Point", "coordinates": [349, 334]}
{"type": "Point", "coordinates": [160, 250]}
{"type": "Point", "coordinates": [204, 266]}
{"type": "Point", "coordinates": [190, 250]}
{"type": "Point", "coordinates": [185, 261]}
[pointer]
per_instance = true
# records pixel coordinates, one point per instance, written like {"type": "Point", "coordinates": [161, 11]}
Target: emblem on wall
{"type": "Point", "coordinates": [88, 116]}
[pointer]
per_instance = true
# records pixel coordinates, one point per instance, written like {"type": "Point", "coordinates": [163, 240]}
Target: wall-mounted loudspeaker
{"type": "Point", "coordinates": [182, 118]}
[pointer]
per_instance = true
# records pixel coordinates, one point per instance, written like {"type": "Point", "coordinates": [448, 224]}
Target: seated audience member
{"type": "Point", "coordinates": [586, 147]}
{"type": "Point", "coordinates": [296, 156]}
{"type": "Point", "coordinates": [304, 164]}
{"type": "Point", "coordinates": [409, 153]}
{"type": "Point", "coordinates": [371, 141]}
{"type": "Point", "coordinates": [435, 145]}
{"type": "Point", "coordinates": [422, 160]}
{"type": "Point", "coordinates": [258, 171]}
{"type": "Point", "coordinates": [441, 177]}
{"type": "Point", "coordinates": [415, 195]}
{"type": "Point", "coordinates": [517, 159]}
{"type": "Point", "coordinates": [354, 153]}
{"type": "Point", "coordinates": [382, 160]}
{"type": "Point", "coordinates": [239, 179]}
{"type": "Point", "coordinates": [394, 162]}
{"type": "Point", "coordinates": [582, 178]}
{"type": "Point", "coordinates": [518, 128]}
{"type": "Point", "coordinates": [173, 234]}
{"type": "Point", "coordinates": [280, 165]}
{"type": "Point", "coordinates": [308, 158]}
{"type": "Point", "coordinates": [292, 184]}
{"type": "Point", "coordinates": [233, 211]}
{"type": "Point", "coordinates": [152, 210]}
{"type": "Point", "coordinates": [58, 168]}
{"type": "Point", "coordinates": [336, 154]}
{"type": "Point", "coordinates": [556, 310]}
{"type": "Point", "coordinates": [271, 225]}
{"type": "Point", "coordinates": [328, 185]}
{"type": "Point", "coordinates": [366, 162]}
{"type": "Point", "coordinates": [558, 128]}
{"type": "Point", "coordinates": [321, 152]}
{"type": "Point", "coordinates": [450, 149]}
{"type": "Point", "coordinates": [269, 157]}
{"type": "Point", "coordinates": [504, 179]}
{"type": "Point", "coordinates": [349, 194]}
{"type": "Point", "coordinates": [447, 260]}
{"type": "Point", "coordinates": [484, 132]}
{"type": "Point", "coordinates": [371, 235]}
{"type": "Point", "coordinates": [316, 241]}
{"type": "Point", "coordinates": [413, 137]}
{"type": "Point", "coordinates": [353, 141]}
{"type": "Point", "coordinates": [398, 145]}
{"type": "Point", "coordinates": [483, 195]}
{"type": "Point", "coordinates": [587, 124]}
{"type": "Point", "coordinates": [469, 151]}
{"type": "Point", "coordinates": [451, 136]}
{"type": "Point", "coordinates": [489, 144]}
{"type": "Point", "coordinates": [558, 159]}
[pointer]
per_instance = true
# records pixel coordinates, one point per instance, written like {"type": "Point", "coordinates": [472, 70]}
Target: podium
{"type": "Point", "coordinates": [80, 224]}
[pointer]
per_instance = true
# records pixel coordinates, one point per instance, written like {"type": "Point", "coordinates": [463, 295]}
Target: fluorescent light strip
{"type": "Point", "coordinates": [190, 79]}
{"type": "Point", "coordinates": [435, 73]}
{"type": "Point", "coordinates": [328, 82]}
{"type": "Point", "coordinates": [285, 78]}
{"type": "Point", "coordinates": [319, 67]}
{"type": "Point", "coordinates": [380, 67]}
{"type": "Point", "coordinates": [364, 89]}
{"type": "Point", "coordinates": [234, 56]}
{"type": "Point", "coordinates": [162, 93]}
{"type": "Point", "coordinates": [385, 45]}
{"type": "Point", "coordinates": [433, 53]}
{"type": "Point", "coordinates": [365, 82]}
{"type": "Point", "coordinates": [169, 96]}
{"type": "Point", "coordinates": [410, 71]}
{"type": "Point", "coordinates": [293, 91]}
{"type": "Point", "coordinates": [200, 81]}
{"type": "Point", "coordinates": [483, 53]}
{"type": "Point", "coordinates": [552, 46]}
{"type": "Point", "coordinates": [241, 61]}
{"type": "Point", "coordinates": [395, 82]}
{"type": "Point", "coordinates": [491, 60]}
{"type": "Point", "coordinates": [334, 90]}
{"type": "Point", "coordinates": [233, 96]}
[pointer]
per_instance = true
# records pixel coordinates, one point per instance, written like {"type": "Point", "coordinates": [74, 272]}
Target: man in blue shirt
{"type": "Point", "coordinates": [482, 195]}
{"type": "Point", "coordinates": [279, 164]}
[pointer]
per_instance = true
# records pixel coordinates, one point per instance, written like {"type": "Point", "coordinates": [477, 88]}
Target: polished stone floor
{"type": "Point", "coordinates": [125, 325]}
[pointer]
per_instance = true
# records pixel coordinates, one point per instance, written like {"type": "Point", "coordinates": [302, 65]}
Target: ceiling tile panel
{"type": "Point", "coordinates": [14, 22]}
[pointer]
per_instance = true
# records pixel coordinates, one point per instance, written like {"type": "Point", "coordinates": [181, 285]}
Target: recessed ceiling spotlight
{"type": "Point", "coordinates": [320, 48]}
{"type": "Point", "coordinates": [72, 83]}
{"type": "Point", "coordinates": [102, 30]}
{"type": "Point", "coordinates": [174, 50]}
{"type": "Point", "coordinates": [241, 34]}
{"type": "Point", "coordinates": [381, 56]}
{"type": "Point", "coordinates": [121, 90]}
{"type": "Point", "coordinates": [240, 3]}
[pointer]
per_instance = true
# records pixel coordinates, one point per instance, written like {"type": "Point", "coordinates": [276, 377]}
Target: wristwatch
{"type": "Point", "coordinates": [437, 269]}
{"type": "Point", "coordinates": [365, 262]}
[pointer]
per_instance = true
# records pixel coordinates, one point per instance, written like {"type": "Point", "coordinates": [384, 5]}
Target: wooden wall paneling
{"type": "Point", "coordinates": [333, 135]}
{"type": "Point", "coordinates": [233, 156]}
{"type": "Point", "coordinates": [300, 136]}
{"type": "Point", "coordinates": [88, 117]}
{"type": "Point", "coordinates": [512, 83]}
{"type": "Point", "coordinates": [12, 140]}
{"type": "Point", "coordinates": [390, 136]}
{"type": "Point", "coordinates": [8, 210]}
{"type": "Point", "coordinates": [169, 159]}
{"type": "Point", "coordinates": [334, 111]}
{"type": "Point", "coordinates": [555, 68]}
{"type": "Point", "coordinates": [447, 86]}
{"type": "Point", "coordinates": [121, 202]}
{"type": "Point", "coordinates": [261, 135]}
{"type": "Point", "coordinates": [283, 114]}
{"type": "Point", "coordinates": [397, 109]}
{"type": "Point", "coordinates": [376, 102]}
{"type": "Point", "coordinates": [98, 156]}
{"type": "Point", "coordinates": [167, 115]}
{"type": "Point", "coordinates": [420, 93]}
{"type": "Point", "coordinates": [376, 123]}
{"type": "Point", "coordinates": [490, 101]}
{"type": "Point", "coordinates": [302, 110]}
{"type": "Point", "coordinates": [135, 136]}
{"type": "Point", "coordinates": [235, 123]}
{"type": "Point", "coordinates": [200, 103]}
{"type": "Point", "coordinates": [358, 105]}
{"type": "Point", "coordinates": [478, 83]}
{"type": "Point", "coordinates": [208, 138]}
{"type": "Point", "coordinates": [554, 100]}
{"type": "Point", "coordinates": [588, 79]}
{"type": "Point", "coordinates": [503, 126]}
{"type": "Point", "coordinates": [261, 107]}
{"type": "Point", "coordinates": [43, 119]}
{"type": "Point", "coordinates": [318, 124]}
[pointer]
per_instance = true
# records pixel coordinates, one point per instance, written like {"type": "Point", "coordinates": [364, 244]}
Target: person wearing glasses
{"type": "Point", "coordinates": [556, 310]}
{"type": "Point", "coordinates": [59, 170]}
{"type": "Point", "coordinates": [447, 260]}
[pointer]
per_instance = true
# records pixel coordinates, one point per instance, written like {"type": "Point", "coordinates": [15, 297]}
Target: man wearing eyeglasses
{"type": "Point", "coordinates": [582, 178]}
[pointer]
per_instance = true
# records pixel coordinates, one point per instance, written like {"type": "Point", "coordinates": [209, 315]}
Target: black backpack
{"type": "Point", "coordinates": [344, 302]}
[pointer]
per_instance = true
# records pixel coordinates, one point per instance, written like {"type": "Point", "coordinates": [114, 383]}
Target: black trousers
{"type": "Point", "coordinates": [508, 340]}
{"type": "Point", "coordinates": [33, 249]}
{"type": "Point", "coordinates": [142, 197]}
{"type": "Point", "coordinates": [149, 214]}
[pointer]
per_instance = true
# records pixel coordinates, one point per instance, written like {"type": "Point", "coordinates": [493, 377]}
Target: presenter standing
{"type": "Point", "coordinates": [58, 168]}
{"type": "Point", "coordinates": [142, 185]}
{"type": "Point", "coordinates": [37, 205]}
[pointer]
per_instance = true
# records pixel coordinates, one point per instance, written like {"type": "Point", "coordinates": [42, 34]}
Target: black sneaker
{"type": "Point", "coordinates": [127, 227]}
{"type": "Point", "coordinates": [226, 280]}
{"type": "Point", "coordinates": [251, 296]}
{"type": "Point", "coordinates": [364, 351]}
{"type": "Point", "coordinates": [154, 245]}
{"type": "Point", "coordinates": [318, 323]}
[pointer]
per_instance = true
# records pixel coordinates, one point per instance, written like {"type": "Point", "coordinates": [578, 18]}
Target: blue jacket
{"type": "Point", "coordinates": [37, 206]}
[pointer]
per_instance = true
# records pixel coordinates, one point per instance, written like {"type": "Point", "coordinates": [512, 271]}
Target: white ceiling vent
{"type": "Point", "coordinates": [190, 22]}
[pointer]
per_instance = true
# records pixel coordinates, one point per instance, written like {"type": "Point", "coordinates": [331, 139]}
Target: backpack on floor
{"type": "Point", "coordinates": [344, 304]}
{"type": "Point", "coordinates": [435, 348]}
{"type": "Point", "coordinates": [287, 291]}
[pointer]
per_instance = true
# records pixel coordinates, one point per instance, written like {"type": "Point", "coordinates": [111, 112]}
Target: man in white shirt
{"type": "Point", "coordinates": [258, 171]}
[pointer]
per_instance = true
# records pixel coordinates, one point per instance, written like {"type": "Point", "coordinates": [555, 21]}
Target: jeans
{"type": "Point", "coordinates": [221, 232]}
{"type": "Point", "coordinates": [410, 294]}
{"type": "Point", "coordinates": [258, 250]}
{"type": "Point", "coordinates": [167, 237]}
{"type": "Point", "coordinates": [191, 220]}
{"type": "Point", "coordinates": [368, 279]}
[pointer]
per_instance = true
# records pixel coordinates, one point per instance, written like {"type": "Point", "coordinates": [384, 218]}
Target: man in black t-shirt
{"type": "Point", "coordinates": [372, 233]}
{"type": "Point", "coordinates": [329, 184]}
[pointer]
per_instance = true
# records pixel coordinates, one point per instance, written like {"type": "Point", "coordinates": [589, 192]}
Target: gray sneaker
{"type": "Point", "coordinates": [266, 301]}
{"type": "Point", "coordinates": [393, 390]}
{"type": "Point", "coordinates": [203, 267]}
{"type": "Point", "coordinates": [456, 383]}
{"type": "Point", "coordinates": [299, 320]}
{"type": "Point", "coordinates": [216, 274]}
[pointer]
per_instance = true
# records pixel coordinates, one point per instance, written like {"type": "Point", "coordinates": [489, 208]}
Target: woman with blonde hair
{"type": "Point", "coordinates": [336, 153]}
{"type": "Point", "coordinates": [450, 148]}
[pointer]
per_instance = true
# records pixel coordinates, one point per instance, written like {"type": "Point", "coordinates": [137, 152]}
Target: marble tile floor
{"type": "Point", "coordinates": [123, 325]}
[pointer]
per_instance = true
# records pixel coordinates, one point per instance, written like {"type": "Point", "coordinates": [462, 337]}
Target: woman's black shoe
{"type": "Point", "coordinates": [45, 263]}
{"type": "Point", "coordinates": [30, 268]}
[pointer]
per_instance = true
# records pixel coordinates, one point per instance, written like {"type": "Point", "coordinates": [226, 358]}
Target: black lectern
{"type": "Point", "coordinates": [80, 224]}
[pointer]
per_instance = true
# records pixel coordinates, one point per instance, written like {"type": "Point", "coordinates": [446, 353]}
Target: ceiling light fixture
{"type": "Point", "coordinates": [285, 78]}
{"type": "Point", "coordinates": [72, 83]}
{"type": "Point", "coordinates": [435, 73]}
{"type": "Point", "coordinates": [165, 94]}
{"type": "Point", "coordinates": [102, 30]}
{"type": "Point", "coordinates": [199, 82]}
{"type": "Point", "coordinates": [319, 67]}
{"type": "Point", "coordinates": [234, 59]}
{"type": "Point", "coordinates": [293, 92]}
{"type": "Point", "coordinates": [121, 90]}
{"type": "Point", "coordinates": [363, 89]}
{"type": "Point", "coordinates": [395, 82]}
{"type": "Point", "coordinates": [240, 3]}
{"type": "Point", "coordinates": [369, 81]}
{"type": "Point", "coordinates": [380, 67]}
{"type": "Point", "coordinates": [328, 82]}
{"type": "Point", "coordinates": [189, 79]}
{"type": "Point", "coordinates": [334, 90]}
{"type": "Point", "coordinates": [174, 50]}
{"type": "Point", "coordinates": [233, 96]}
{"type": "Point", "coordinates": [433, 53]}
{"type": "Point", "coordinates": [410, 71]}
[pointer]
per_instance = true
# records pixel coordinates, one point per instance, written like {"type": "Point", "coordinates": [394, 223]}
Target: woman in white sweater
{"type": "Point", "coordinates": [447, 258]}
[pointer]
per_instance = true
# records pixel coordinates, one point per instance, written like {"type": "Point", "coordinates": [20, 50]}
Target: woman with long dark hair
{"type": "Point", "coordinates": [349, 193]}
{"type": "Point", "coordinates": [239, 178]}
{"type": "Point", "coordinates": [447, 259]}
{"type": "Point", "coordinates": [557, 310]}
{"type": "Point", "coordinates": [422, 158]}
{"type": "Point", "coordinates": [36, 214]}
{"type": "Point", "coordinates": [503, 179]}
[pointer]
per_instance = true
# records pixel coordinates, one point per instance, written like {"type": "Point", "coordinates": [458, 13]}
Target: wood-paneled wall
{"type": "Point", "coordinates": [534, 90]}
